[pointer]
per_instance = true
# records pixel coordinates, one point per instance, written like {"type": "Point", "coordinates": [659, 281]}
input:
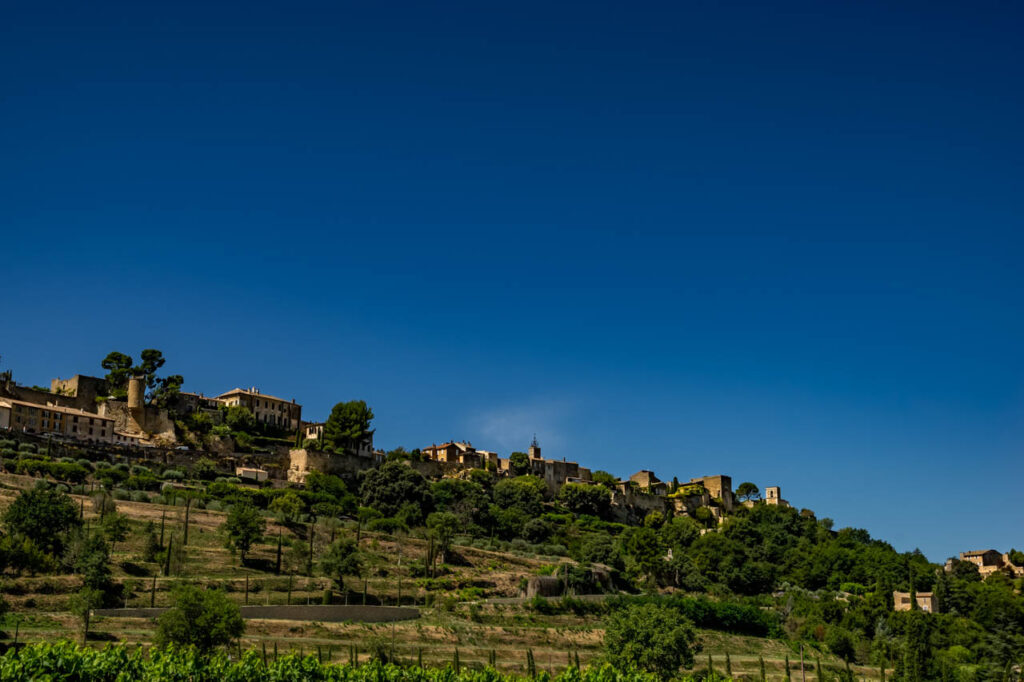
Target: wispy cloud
{"type": "Point", "coordinates": [512, 427]}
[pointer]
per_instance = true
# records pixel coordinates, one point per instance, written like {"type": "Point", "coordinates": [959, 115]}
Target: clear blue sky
{"type": "Point", "coordinates": [780, 242]}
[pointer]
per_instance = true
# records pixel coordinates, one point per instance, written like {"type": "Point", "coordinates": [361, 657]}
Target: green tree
{"type": "Point", "coordinates": [604, 478]}
{"type": "Point", "coordinates": [240, 418]}
{"type": "Point", "coordinates": [152, 360]}
{"type": "Point", "coordinates": [205, 619]}
{"type": "Point", "coordinates": [841, 643]}
{"type": "Point", "coordinates": [82, 605]}
{"type": "Point", "coordinates": [119, 368]}
{"type": "Point", "coordinates": [244, 527]}
{"type": "Point", "coordinates": [748, 491]}
{"type": "Point", "coordinates": [45, 515]}
{"type": "Point", "coordinates": [93, 563]}
{"type": "Point", "coordinates": [443, 527]}
{"type": "Point", "coordinates": [115, 528]}
{"type": "Point", "coordinates": [519, 463]}
{"type": "Point", "coordinates": [205, 469]}
{"type": "Point", "coordinates": [523, 493]}
{"type": "Point", "coordinates": [341, 559]}
{"type": "Point", "coordinates": [393, 484]}
{"type": "Point", "coordinates": [348, 425]}
{"type": "Point", "coordinates": [166, 390]}
{"type": "Point", "coordinates": [288, 507]}
{"type": "Point", "coordinates": [650, 637]}
{"type": "Point", "coordinates": [580, 498]}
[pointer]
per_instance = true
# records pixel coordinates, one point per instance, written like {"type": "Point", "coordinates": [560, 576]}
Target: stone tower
{"type": "Point", "coordinates": [534, 451]}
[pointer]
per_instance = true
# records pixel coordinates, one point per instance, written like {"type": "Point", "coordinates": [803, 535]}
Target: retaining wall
{"type": "Point", "coordinates": [322, 614]}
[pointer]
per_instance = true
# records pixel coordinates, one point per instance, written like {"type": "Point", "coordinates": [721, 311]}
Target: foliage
{"type": "Point", "coordinates": [519, 463]}
{"type": "Point", "coordinates": [341, 559]}
{"type": "Point", "coordinates": [650, 637]}
{"type": "Point", "coordinates": [348, 425]}
{"type": "Point", "coordinates": [244, 526]}
{"type": "Point", "coordinates": [392, 485]}
{"type": "Point", "coordinates": [585, 499]}
{"type": "Point", "coordinates": [45, 515]}
{"type": "Point", "coordinates": [240, 418]}
{"type": "Point", "coordinates": [747, 491]}
{"type": "Point", "coordinates": [64, 660]}
{"type": "Point", "coordinates": [201, 618]}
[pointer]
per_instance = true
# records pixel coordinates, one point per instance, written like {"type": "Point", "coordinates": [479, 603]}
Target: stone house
{"type": "Point", "coordinates": [925, 601]}
{"type": "Point", "coordinates": [268, 409]}
{"type": "Point", "coordinates": [66, 422]}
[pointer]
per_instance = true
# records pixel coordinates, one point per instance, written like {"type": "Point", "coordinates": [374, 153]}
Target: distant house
{"type": "Point", "coordinates": [925, 601]}
{"type": "Point", "coordinates": [66, 422]}
{"type": "Point", "coordinates": [251, 474]}
{"type": "Point", "coordinates": [648, 482]}
{"type": "Point", "coordinates": [283, 414]}
{"type": "Point", "coordinates": [458, 452]}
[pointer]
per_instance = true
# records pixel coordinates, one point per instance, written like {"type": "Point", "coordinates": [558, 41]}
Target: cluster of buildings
{"type": "Point", "coordinates": [77, 408]}
{"type": "Point", "coordinates": [989, 561]}
{"type": "Point", "coordinates": [642, 493]}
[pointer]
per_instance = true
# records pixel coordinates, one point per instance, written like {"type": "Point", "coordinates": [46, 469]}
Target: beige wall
{"type": "Point", "coordinates": [42, 419]}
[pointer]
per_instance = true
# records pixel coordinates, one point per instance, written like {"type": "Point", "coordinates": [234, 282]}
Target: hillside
{"type": "Point", "coordinates": [766, 582]}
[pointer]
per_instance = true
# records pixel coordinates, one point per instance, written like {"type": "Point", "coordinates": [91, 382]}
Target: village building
{"type": "Point", "coordinates": [462, 453]}
{"type": "Point", "coordinates": [989, 561]}
{"type": "Point", "coordinates": [268, 409]}
{"type": "Point", "coordinates": [647, 482]}
{"type": "Point", "coordinates": [925, 601]}
{"type": "Point", "coordinates": [254, 474]}
{"type": "Point", "coordinates": [65, 422]}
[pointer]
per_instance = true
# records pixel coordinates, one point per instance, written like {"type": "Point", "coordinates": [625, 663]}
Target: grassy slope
{"type": "Point", "coordinates": [39, 603]}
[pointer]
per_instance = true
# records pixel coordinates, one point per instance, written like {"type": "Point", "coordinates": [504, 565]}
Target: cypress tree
{"type": "Point", "coordinates": [728, 665]}
{"type": "Point", "coordinates": [455, 660]}
{"type": "Point", "coordinates": [881, 671]}
{"type": "Point", "coordinates": [277, 568]}
{"type": "Point", "coordinates": [711, 668]}
{"type": "Point", "coordinates": [788, 678]}
{"type": "Point", "coordinates": [760, 663]}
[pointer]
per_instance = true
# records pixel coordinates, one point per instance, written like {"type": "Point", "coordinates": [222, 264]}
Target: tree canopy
{"type": "Point", "coordinates": [389, 487]}
{"type": "Point", "coordinates": [205, 619]}
{"type": "Point", "coordinates": [348, 425]}
{"type": "Point", "coordinates": [650, 637]}
{"type": "Point", "coordinates": [45, 515]}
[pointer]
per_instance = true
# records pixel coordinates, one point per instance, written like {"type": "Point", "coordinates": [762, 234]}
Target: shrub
{"type": "Point", "coordinates": [650, 637]}
{"type": "Point", "coordinates": [173, 475]}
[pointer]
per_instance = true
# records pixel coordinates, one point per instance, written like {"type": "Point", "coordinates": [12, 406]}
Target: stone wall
{"type": "Point", "coordinates": [320, 614]}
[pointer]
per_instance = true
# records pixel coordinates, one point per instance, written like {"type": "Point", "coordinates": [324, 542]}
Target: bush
{"type": "Point", "coordinates": [140, 496]}
{"type": "Point", "coordinates": [122, 494]}
{"type": "Point", "coordinates": [27, 447]}
{"type": "Point", "coordinates": [650, 637]}
{"type": "Point", "coordinates": [173, 475]}
{"type": "Point", "coordinates": [205, 619]}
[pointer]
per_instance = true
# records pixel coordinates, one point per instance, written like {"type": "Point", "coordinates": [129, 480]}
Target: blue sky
{"type": "Point", "coordinates": [782, 242]}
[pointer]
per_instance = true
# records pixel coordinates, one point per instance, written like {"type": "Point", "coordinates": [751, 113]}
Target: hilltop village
{"type": "Point", "coordinates": [262, 438]}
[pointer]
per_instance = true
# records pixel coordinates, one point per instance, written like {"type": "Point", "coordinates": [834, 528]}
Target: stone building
{"type": "Point", "coordinates": [649, 483]}
{"type": "Point", "coordinates": [719, 488]}
{"type": "Point", "coordinates": [455, 452]}
{"type": "Point", "coordinates": [267, 409]}
{"type": "Point", "coordinates": [989, 561]}
{"type": "Point", "coordinates": [65, 422]}
{"type": "Point", "coordinates": [925, 601]}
